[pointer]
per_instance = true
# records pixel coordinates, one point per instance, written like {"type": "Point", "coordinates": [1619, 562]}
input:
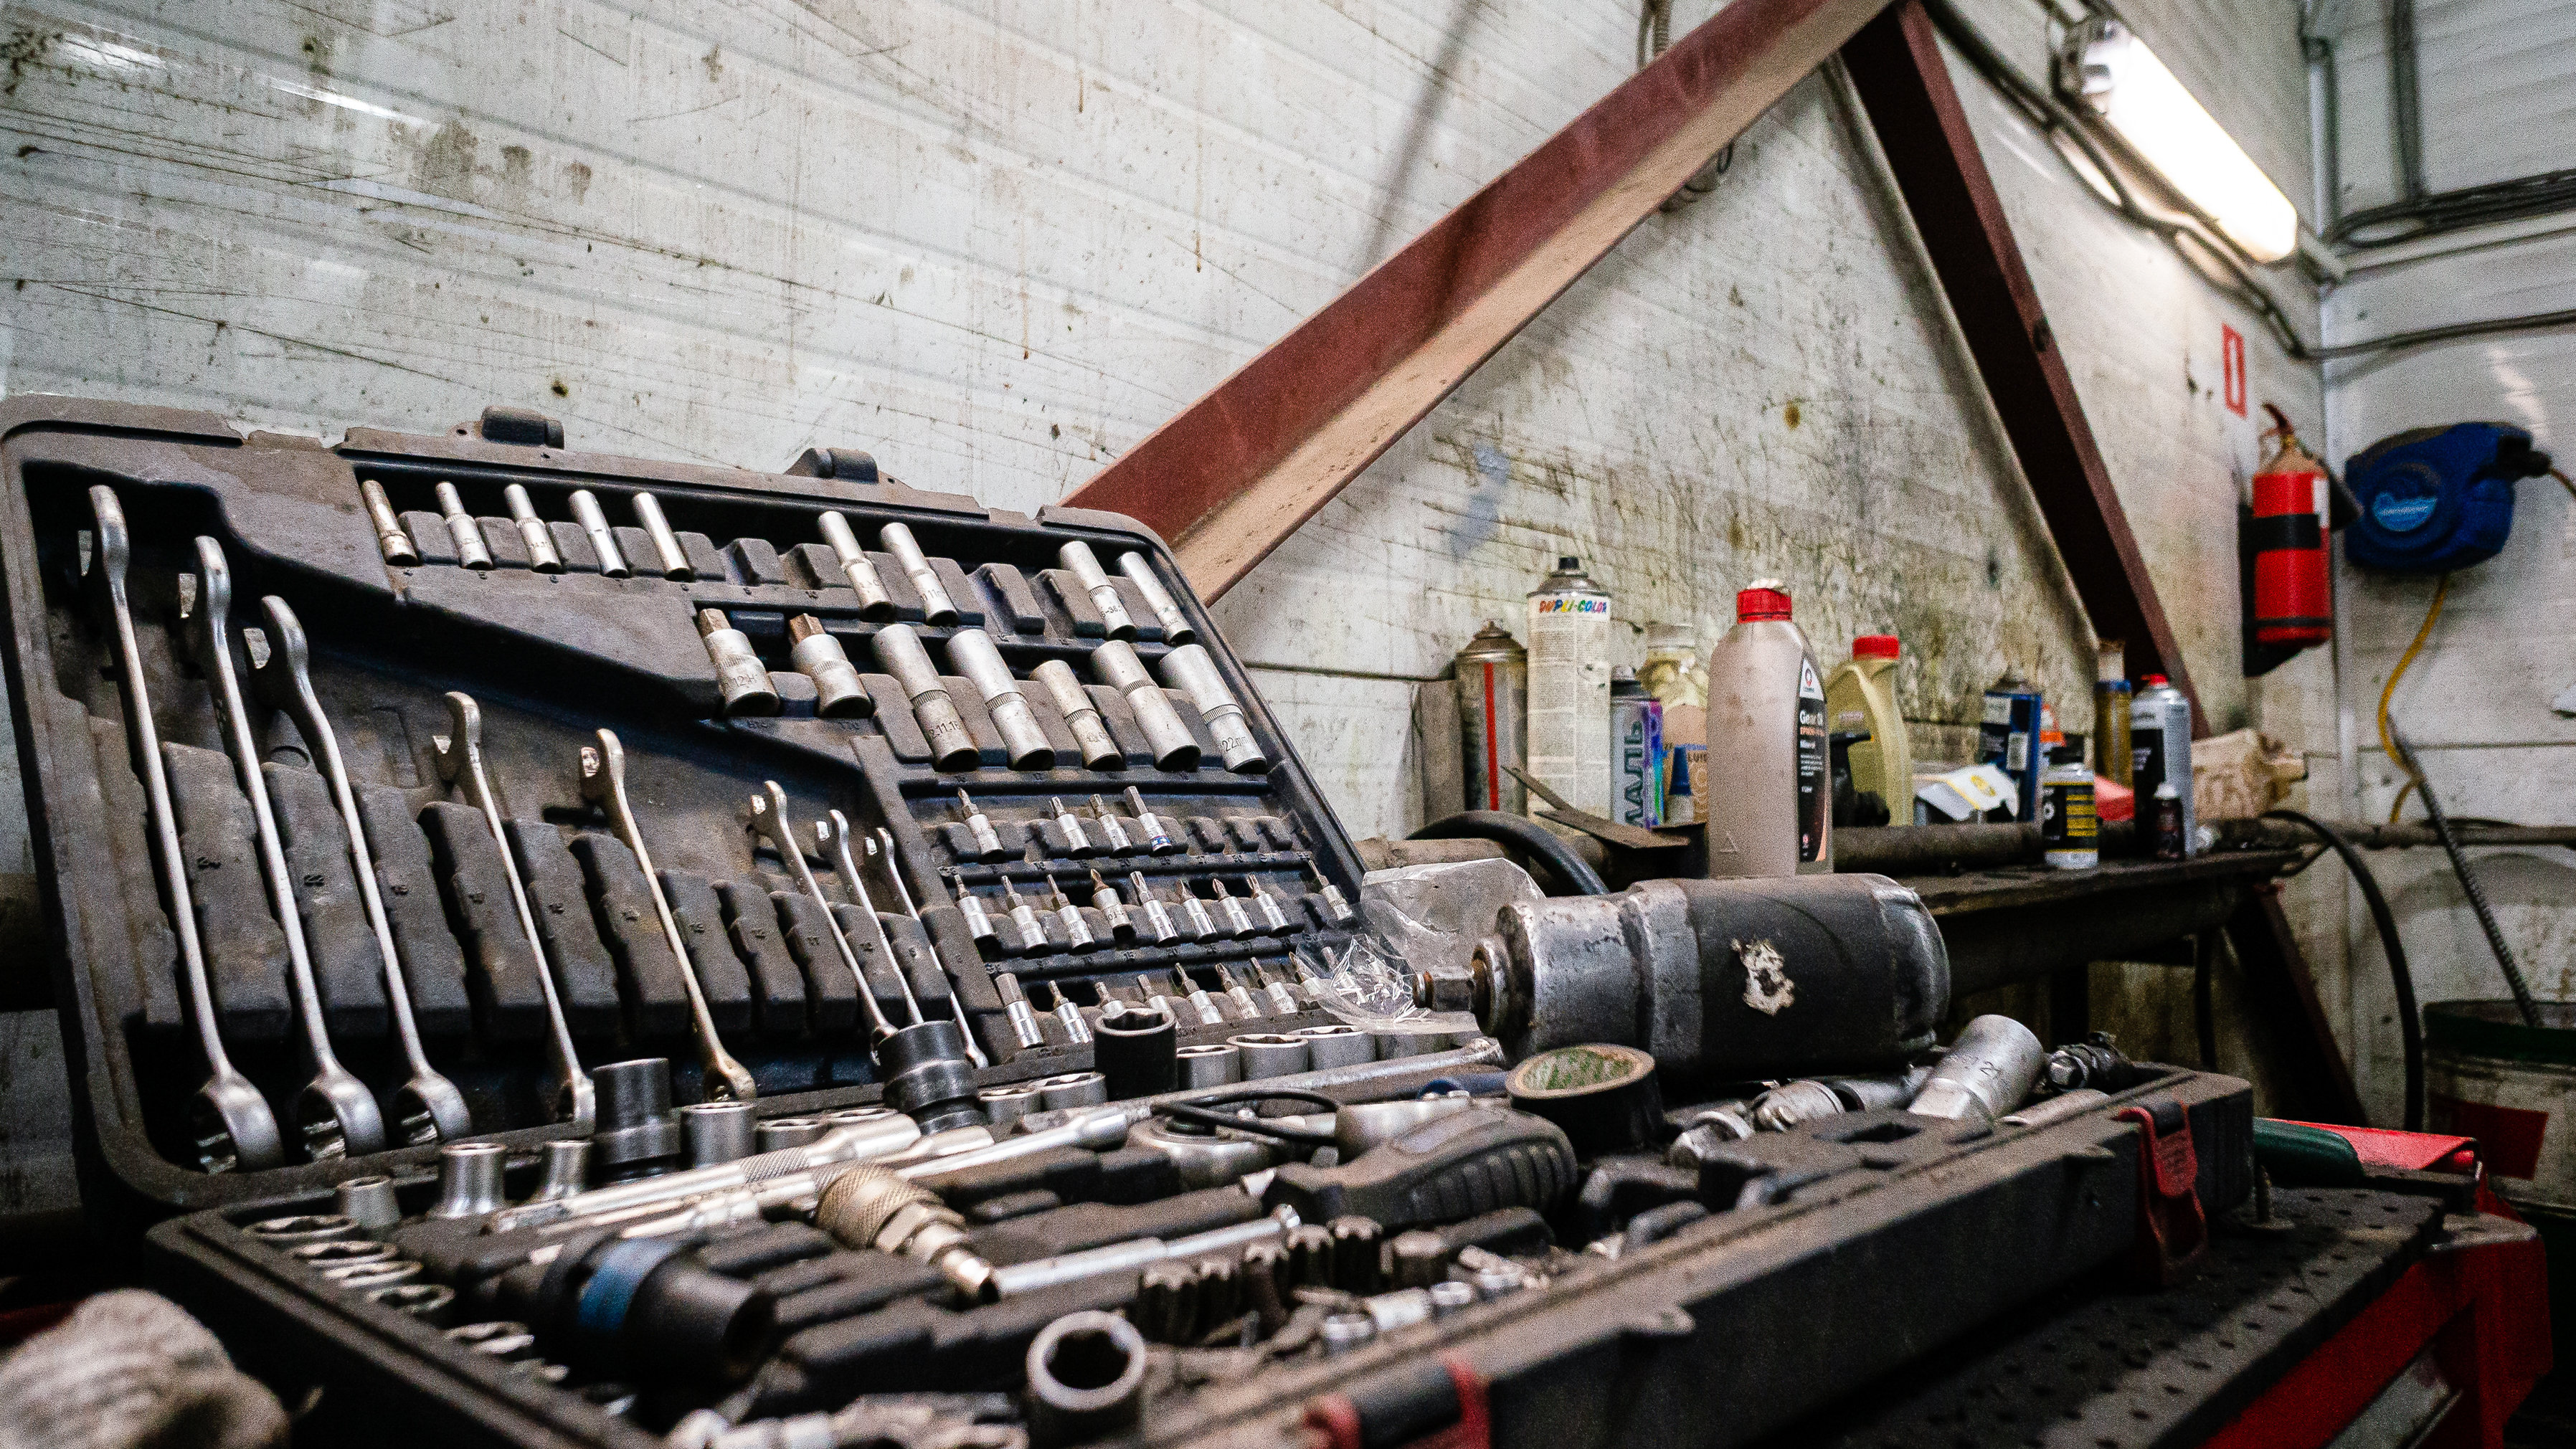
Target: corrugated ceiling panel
{"type": "Point", "coordinates": [2498, 79]}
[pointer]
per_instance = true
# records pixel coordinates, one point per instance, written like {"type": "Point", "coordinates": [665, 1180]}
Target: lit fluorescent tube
{"type": "Point", "coordinates": [2131, 90]}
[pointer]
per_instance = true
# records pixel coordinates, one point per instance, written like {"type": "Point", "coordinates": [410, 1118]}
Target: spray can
{"type": "Point", "coordinates": [2008, 737]}
{"type": "Point", "coordinates": [2070, 832]}
{"type": "Point", "coordinates": [2166, 839]}
{"type": "Point", "coordinates": [1568, 717]}
{"type": "Point", "coordinates": [1674, 675]}
{"type": "Point", "coordinates": [2160, 751]}
{"type": "Point", "coordinates": [2111, 704]}
{"type": "Point", "coordinates": [1768, 794]}
{"type": "Point", "coordinates": [1637, 751]}
{"type": "Point", "coordinates": [1492, 685]}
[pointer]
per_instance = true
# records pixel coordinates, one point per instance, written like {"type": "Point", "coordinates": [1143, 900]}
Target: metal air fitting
{"type": "Point", "coordinates": [1084, 565]}
{"type": "Point", "coordinates": [875, 1207]}
{"type": "Point", "coordinates": [818, 655]}
{"type": "Point", "coordinates": [740, 676]}
{"type": "Point", "coordinates": [1190, 670]}
{"type": "Point", "coordinates": [1166, 738]}
{"type": "Point", "coordinates": [899, 649]}
{"type": "Point", "coordinates": [975, 656]}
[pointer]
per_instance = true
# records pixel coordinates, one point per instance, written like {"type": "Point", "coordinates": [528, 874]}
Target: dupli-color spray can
{"type": "Point", "coordinates": [1569, 687]}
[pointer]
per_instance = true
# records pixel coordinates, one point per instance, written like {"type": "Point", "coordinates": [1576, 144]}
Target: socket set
{"type": "Point", "coordinates": [383, 790]}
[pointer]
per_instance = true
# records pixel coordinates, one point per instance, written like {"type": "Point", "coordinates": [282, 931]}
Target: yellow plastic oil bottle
{"type": "Point", "coordinates": [1860, 696]}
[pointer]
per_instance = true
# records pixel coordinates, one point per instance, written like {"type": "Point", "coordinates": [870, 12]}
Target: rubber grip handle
{"type": "Point", "coordinates": [1451, 1168]}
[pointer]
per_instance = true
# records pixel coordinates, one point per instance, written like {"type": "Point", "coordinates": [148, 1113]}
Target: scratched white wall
{"type": "Point", "coordinates": [2478, 701]}
{"type": "Point", "coordinates": [998, 242]}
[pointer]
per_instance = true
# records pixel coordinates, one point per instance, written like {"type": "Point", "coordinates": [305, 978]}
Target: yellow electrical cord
{"type": "Point", "coordinates": [2431, 616]}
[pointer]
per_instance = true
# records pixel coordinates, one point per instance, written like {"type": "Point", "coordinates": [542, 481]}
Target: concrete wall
{"type": "Point", "coordinates": [998, 243]}
{"type": "Point", "coordinates": [2478, 701]}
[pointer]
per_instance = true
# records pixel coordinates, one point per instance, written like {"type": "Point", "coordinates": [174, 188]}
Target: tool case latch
{"type": "Point", "coordinates": [2173, 1227]}
{"type": "Point", "coordinates": [525, 427]}
{"type": "Point", "coordinates": [848, 464]}
{"type": "Point", "coordinates": [1434, 1405]}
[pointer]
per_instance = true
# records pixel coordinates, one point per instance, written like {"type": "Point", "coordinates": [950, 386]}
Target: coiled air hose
{"type": "Point", "coordinates": [2410, 1023]}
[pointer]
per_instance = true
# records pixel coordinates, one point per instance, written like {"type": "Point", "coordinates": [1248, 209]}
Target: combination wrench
{"type": "Point", "coordinates": [460, 763]}
{"type": "Point", "coordinates": [228, 1120]}
{"type": "Point", "coordinates": [903, 893]}
{"type": "Point", "coordinates": [335, 1112]}
{"type": "Point", "coordinates": [769, 817]}
{"type": "Point", "coordinates": [427, 1106]}
{"type": "Point", "coordinates": [835, 833]}
{"type": "Point", "coordinates": [603, 783]}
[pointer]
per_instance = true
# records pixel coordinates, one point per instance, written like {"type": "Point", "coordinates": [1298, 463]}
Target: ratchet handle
{"type": "Point", "coordinates": [1450, 1168]}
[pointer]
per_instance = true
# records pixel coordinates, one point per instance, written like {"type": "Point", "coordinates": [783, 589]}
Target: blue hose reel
{"type": "Point", "coordinates": [2437, 499]}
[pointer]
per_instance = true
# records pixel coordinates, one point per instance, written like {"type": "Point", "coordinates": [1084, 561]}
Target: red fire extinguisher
{"type": "Point", "coordinates": [2293, 603]}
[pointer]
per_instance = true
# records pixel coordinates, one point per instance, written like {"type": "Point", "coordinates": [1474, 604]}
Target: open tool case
{"type": "Point", "coordinates": [1819, 1257]}
{"type": "Point", "coordinates": [551, 658]}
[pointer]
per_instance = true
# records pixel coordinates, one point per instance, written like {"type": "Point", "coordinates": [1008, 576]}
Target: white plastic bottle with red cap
{"type": "Point", "coordinates": [1769, 792]}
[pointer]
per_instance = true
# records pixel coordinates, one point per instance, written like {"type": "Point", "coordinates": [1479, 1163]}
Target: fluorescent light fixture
{"type": "Point", "coordinates": [2131, 90]}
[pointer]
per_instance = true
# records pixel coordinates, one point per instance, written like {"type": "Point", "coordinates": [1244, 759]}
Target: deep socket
{"type": "Point", "coordinates": [1140, 571]}
{"type": "Point", "coordinates": [1170, 741]}
{"type": "Point", "coordinates": [603, 539]}
{"type": "Point", "coordinates": [875, 603]}
{"type": "Point", "coordinates": [533, 533]}
{"type": "Point", "coordinates": [975, 656]}
{"type": "Point", "coordinates": [461, 527]}
{"type": "Point", "coordinates": [740, 676]}
{"type": "Point", "coordinates": [1084, 565]}
{"type": "Point", "coordinates": [391, 541]}
{"type": "Point", "coordinates": [936, 607]}
{"type": "Point", "coordinates": [675, 560]}
{"type": "Point", "coordinates": [899, 649]}
{"type": "Point", "coordinates": [818, 655]}
{"type": "Point", "coordinates": [1190, 670]}
{"type": "Point", "coordinates": [1099, 749]}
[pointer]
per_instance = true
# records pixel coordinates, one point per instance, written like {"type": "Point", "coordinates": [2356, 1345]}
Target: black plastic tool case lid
{"type": "Point", "coordinates": [552, 658]}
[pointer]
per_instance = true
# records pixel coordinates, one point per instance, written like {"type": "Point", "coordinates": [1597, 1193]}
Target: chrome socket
{"type": "Point", "coordinates": [740, 676]}
{"type": "Point", "coordinates": [533, 534]}
{"type": "Point", "coordinates": [603, 539]}
{"type": "Point", "coordinates": [1210, 1064]}
{"type": "Point", "coordinates": [1076, 1029]}
{"type": "Point", "coordinates": [1073, 1089]}
{"type": "Point", "coordinates": [1267, 1054]}
{"type": "Point", "coordinates": [469, 1179]}
{"type": "Point", "coordinates": [1006, 1105]}
{"type": "Point", "coordinates": [391, 541]}
{"type": "Point", "coordinates": [1246, 1009]}
{"type": "Point", "coordinates": [1070, 825]}
{"type": "Point", "coordinates": [1015, 1005]}
{"type": "Point", "coordinates": [1112, 834]}
{"type": "Point", "coordinates": [369, 1202]}
{"type": "Point", "coordinates": [1033, 937]}
{"type": "Point", "coordinates": [1099, 749]}
{"type": "Point", "coordinates": [818, 655]}
{"type": "Point", "coordinates": [1077, 931]}
{"type": "Point", "coordinates": [1084, 565]}
{"type": "Point", "coordinates": [936, 606]}
{"type": "Point", "coordinates": [1273, 920]}
{"type": "Point", "coordinates": [1201, 1002]}
{"type": "Point", "coordinates": [1238, 921]}
{"type": "Point", "coordinates": [1169, 740]}
{"type": "Point", "coordinates": [978, 924]}
{"type": "Point", "coordinates": [1202, 927]}
{"type": "Point", "coordinates": [875, 603]}
{"type": "Point", "coordinates": [1337, 1045]}
{"type": "Point", "coordinates": [782, 1132]}
{"type": "Point", "coordinates": [566, 1169]}
{"type": "Point", "coordinates": [1987, 1073]}
{"type": "Point", "coordinates": [899, 649]}
{"type": "Point", "coordinates": [973, 653]}
{"type": "Point", "coordinates": [461, 527]}
{"type": "Point", "coordinates": [1104, 898]}
{"type": "Point", "coordinates": [1140, 571]}
{"type": "Point", "coordinates": [341, 1253]}
{"type": "Point", "coordinates": [1156, 917]}
{"type": "Point", "coordinates": [988, 845]}
{"type": "Point", "coordinates": [675, 560]}
{"type": "Point", "coordinates": [717, 1132]}
{"type": "Point", "coordinates": [1283, 997]}
{"type": "Point", "coordinates": [1190, 670]}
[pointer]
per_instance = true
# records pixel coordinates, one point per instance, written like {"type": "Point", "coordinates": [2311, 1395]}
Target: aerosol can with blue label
{"type": "Point", "coordinates": [1637, 751]}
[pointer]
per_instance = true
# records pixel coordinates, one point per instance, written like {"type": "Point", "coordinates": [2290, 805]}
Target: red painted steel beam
{"type": "Point", "coordinates": [1238, 471]}
{"type": "Point", "coordinates": [1904, 84]}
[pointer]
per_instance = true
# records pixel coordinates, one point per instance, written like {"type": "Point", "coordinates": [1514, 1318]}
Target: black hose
{"type": "Point", "coordinates": [2468, 882]}
{"type": "Point", "coordinates": [1519, 830]}
{"type": "Point", "coordinates": [2410, 1025]}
